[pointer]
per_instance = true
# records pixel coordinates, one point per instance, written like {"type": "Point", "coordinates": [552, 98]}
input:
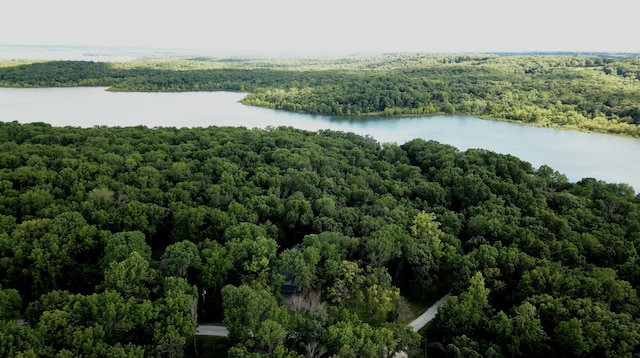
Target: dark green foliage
{"type": "Point", "coordinates": [535, 264]}
{"type": "Point", "coordinates": [10, 304]}
{"type": "Point", "coordinates": [15, 339]}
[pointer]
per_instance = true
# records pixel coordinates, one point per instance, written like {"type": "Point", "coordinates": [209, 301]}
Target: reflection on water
{"type": "Point", "coordinates": [576, 154]}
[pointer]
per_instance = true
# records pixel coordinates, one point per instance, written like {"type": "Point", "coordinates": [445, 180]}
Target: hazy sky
{"type": "Point", "coordinates": [328, 25]}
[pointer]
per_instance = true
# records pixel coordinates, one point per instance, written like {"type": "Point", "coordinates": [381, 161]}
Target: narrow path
{"type": "Point", "coordinates": [212, 330]}
{"type": "Point", "coordinates": [428, 315]}
{"type": "Point", "coordinates": [422, 320]}
{"type": "Point", "coordinates": [417, 324]}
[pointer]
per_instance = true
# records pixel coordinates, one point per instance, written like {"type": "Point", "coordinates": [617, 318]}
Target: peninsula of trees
{"type": "Point", "coordinates": [585, 92]}
{"type": "Point", "coordinates": [117, 241]}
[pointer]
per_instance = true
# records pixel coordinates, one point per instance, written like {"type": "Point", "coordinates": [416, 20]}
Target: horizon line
{"type": "Point", "coordinates": [323, 53]}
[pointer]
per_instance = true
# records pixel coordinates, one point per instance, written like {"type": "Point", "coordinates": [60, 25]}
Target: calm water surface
{"type": "Point", "coordinates": [575, 154]}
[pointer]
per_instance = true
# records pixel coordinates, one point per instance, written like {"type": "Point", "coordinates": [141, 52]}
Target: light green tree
{"type": "Point", "coordinates": [181, 256]}
{"type": "Point", "coordinates": [131, 277]}
{"type": "Point", "coordinates": [246, 308]}
{"type": "Point", "coordinates": [119, 246]}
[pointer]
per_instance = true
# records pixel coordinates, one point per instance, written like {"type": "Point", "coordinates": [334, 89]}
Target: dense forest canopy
{"type": "Point", "coordinates": [591, 93]}
{"type": "Point", "coordinates": [110, 237]}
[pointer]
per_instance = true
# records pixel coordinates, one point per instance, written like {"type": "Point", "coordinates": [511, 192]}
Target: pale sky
{"type": "Point", "coordinates": [328, 25]}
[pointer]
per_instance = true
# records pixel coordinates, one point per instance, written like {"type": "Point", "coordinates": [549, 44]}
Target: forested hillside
{"type": "Point", "coordinates": [116, 241]}
{"type": "Point", "coordinates": [591, 93]}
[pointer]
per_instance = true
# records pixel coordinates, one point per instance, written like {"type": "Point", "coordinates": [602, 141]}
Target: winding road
{"type": "Point", "coordinates": [417, 324]}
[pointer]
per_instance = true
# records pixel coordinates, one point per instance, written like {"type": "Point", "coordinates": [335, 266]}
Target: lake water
{"type": "Point", "coordinates": [577, 155]}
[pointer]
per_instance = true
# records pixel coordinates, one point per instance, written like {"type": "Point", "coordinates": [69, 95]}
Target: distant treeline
{"type": "Point", "coordinates": [597, 93]}
{"type": "Point", "coordinates": [110, 238]}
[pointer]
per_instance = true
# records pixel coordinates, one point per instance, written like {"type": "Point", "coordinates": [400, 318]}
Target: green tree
{"type": "Point", "coordinates": [177, 317]}
{"type": "Point", "coordinates": [246, 309]}
{"type": "Point", "coordinates": [299, 267]}
{"type": "Point", "coordinates": [424, 251]}
{"type": "Point", "coordinates": [347, 286]}
{"type": "Point", "coordinates": [254, 258]}
{"type": "Point", "coordinates": [43, 254]}
{"type": "Point", "coordinates": [465, 314]}
{"type": "Point", "coordinates": [16, 341]}
{"type": "Point", "coordinates": [298, 212]}
{"type": "Point", "coordinates": [357, 339]}
{"type": "Point", "coordinates": [383, 245]}
{"type": "Point", "coordinates": [522, 334]}
{"type": "Point", "coordinates": [121, 245]}
{"type": "Point", "coordinates": [187, 222]}
{"type": "Point", "coordinates": [215, 264]}
{"type": "Point", "coordinates": [131, 277]}
{"type": "Point", "coordinates": [10, 304]}
{"type": "Point", "coordinates": [269, 335]}
{"type": "Point", "coordinates": [569, 335]}
{"type": "Point", "coordinates": [380, 301]}
{"type": "Point", "coordinates": [180, 257]}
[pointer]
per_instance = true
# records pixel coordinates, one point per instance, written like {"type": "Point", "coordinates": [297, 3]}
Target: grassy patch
{"type": "Point", "coordinates": [409, 309]}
